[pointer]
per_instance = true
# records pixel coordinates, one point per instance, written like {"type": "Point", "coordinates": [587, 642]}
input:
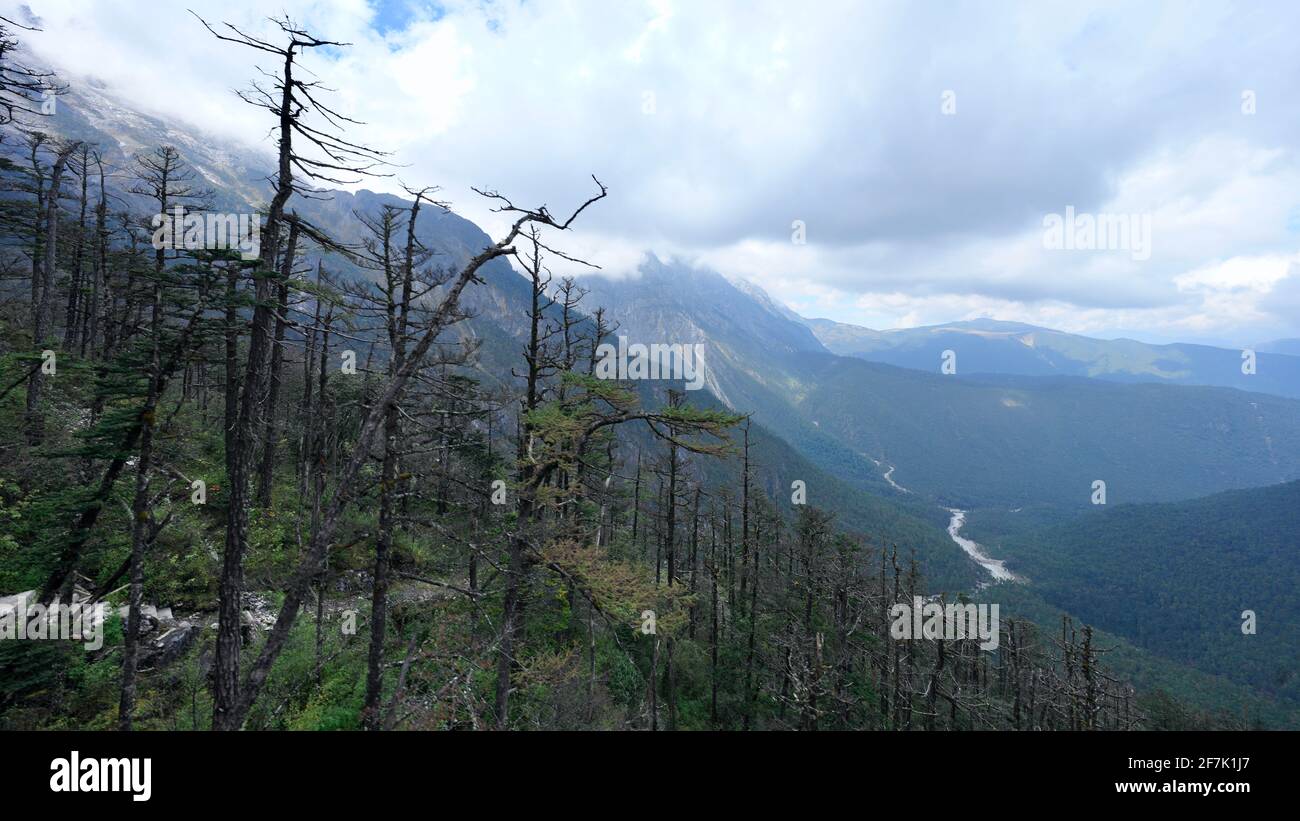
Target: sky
{"type": "Point", "coordinates": [884, 164]}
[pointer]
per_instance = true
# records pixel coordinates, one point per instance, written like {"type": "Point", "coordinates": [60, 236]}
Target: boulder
{"type": "Point", "coordinates": [169, 646]}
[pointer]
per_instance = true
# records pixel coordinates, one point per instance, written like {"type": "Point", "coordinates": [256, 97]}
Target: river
{"type": "Point", "coordinates": [996, 567]}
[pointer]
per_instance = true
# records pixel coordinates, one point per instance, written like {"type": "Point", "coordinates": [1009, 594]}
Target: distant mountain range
{"type": "Point", "coordinates": [969, 439]}
{"type": "Point", "coordinates": [993, 346]}
{"type": "Point", "coordinates": [1290, 347]}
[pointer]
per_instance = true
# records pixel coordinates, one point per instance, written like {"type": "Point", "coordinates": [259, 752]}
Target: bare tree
{"type": "Point", "coordinates": [23, 88]}
{"type": "Point", "coordinates": [42, 318]}
{"type": "Point", "coordinates": [300, 115]}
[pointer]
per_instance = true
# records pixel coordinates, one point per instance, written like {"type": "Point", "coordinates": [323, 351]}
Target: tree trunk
{"type": "Point", "coordinates": [140, 523]}
{"type": "Point", "coordinates": [266, 472]}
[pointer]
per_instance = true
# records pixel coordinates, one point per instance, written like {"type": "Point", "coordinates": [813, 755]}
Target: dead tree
{"type": "Point", "coordinates": [438, 320]}
{"type": "Point", "coordinates": [41, 317]}
{"type": "Point", "coordinates": [323, 157]}
{"type": "Point", "coordinates": [24, 90]}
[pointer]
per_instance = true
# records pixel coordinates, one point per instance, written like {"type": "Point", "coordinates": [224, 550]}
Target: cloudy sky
{"type": "Point", "coordinates": [918, 147]}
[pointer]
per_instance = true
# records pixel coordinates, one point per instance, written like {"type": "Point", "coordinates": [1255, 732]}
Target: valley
{"type": "Point", "coordinates": [622, 495]}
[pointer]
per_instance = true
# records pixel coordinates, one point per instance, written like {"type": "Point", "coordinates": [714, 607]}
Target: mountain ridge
{"type": "Point", "coordinates": [1015, 348]}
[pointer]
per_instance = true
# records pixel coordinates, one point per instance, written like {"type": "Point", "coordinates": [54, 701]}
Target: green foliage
{"type": "Point", "coordinates": [1015, 441]}
{"type": "Point", "coordinates": [1176, 578]}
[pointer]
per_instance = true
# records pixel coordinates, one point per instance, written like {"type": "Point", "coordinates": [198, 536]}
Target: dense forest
{"type": "Point", "coordinates": [1177, 577]}
{"type": "Point", "coordinates": [315, 499]}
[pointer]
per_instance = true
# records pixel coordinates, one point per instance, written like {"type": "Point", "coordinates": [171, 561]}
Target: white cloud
{"type": "Point", "coordinates": [763, 113]}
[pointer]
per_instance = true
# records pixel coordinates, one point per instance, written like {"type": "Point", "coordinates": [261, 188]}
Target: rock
{"type": "Point", "coordinates": [152, 618]}
{"type": "Point", "coordinates": [248, 626]}
{"type": "Point", "coordinates": [169, 646]}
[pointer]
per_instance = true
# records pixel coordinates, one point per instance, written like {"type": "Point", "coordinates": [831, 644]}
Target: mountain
{"type": "Point", "coordinates": [1015, 440]}
{"type": "Point", "coordinates": [992, 346]}
{"type": "Point", "coordinates": [1176, 579]}
{"type": "Point", "coordinates": [969, 440]}
{"type": "Point", "coordinates": [748, 340]}
{"type": "Point", "coordinates": [1290, 347]}
{"type": "Point", "coordinates": [236, 174]}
